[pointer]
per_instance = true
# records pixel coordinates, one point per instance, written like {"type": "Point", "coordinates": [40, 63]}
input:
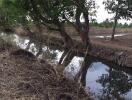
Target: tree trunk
{"type": "Point", "coordinates": [83, 28]}
{"type": "Point", "coordinates": [114, 28]}
{"type": "Point", "coordinates": [81, 76]}
{"type": "Point", "coordinates": [70, 55]}
{"type": "Point", "coordinates": [86, 30]}
{"type": "Point", "coordinates": [68, 42]}
{"type": "Point", "coordinates": [63, 55]}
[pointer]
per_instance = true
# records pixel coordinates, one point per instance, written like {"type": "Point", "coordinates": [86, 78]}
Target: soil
{"type": "Point", "coordinates": [125, 41]}
{"type": "Point", "coordinates": [118, 51]}
{"type": "Point", "coordinates": [23, 77]}
{"type": "Point", "coordinates": [119, 42]}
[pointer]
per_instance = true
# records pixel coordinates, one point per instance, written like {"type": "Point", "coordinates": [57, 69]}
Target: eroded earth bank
{"type": "Point", "coordinates": [24, 77]}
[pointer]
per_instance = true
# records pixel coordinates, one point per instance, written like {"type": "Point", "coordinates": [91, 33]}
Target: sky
{"type": "Point", "coordinates": [102, 13]}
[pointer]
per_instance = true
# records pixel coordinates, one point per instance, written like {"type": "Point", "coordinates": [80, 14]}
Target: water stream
{"type": "Point", "coordinates": [102, 80]}
{"type": "Point", "coordinates": [109, 36]}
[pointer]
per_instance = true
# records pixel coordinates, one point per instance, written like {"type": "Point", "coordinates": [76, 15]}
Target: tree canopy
{"type": "Point", "coordinates": [120, 7]}
{"type": "Point", "coordinates": [13, 12]}
{"type": "Point", "coordinates": [54, 13]}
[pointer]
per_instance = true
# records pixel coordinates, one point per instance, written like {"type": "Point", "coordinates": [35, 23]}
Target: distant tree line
{"type": "Point", "coordinates": [109, 24]}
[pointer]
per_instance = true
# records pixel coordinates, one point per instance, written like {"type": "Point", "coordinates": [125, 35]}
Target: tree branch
{"type": "Point", "coordinates": [50, 27]}
{"type": "Point", "coordinates": [72, 23]}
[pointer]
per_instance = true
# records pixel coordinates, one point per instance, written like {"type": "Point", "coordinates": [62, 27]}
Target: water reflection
{"type": "Point", "coordinates": [107, 83]}
{"type": "Point", "coordinates": [103, 81]}
{"type": "Point", "coordinates": [35, 46]}
{"type": "Point", "coordinates": [109, 36]}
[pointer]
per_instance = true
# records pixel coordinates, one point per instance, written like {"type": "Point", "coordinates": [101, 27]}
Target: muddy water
{"type": "Point", "coordinates": [103, 81]}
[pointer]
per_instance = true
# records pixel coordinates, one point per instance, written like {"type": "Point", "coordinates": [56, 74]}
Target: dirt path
{"type": "Point", "coordinates": [23, 77]}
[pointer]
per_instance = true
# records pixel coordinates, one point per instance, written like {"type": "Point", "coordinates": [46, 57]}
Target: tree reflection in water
{"type": "Point", "coordinates": [115, 84]}
{"type": "Point", "coordinates": [84, 68]}
{"type": "Point", "coordinates": [41, 50]}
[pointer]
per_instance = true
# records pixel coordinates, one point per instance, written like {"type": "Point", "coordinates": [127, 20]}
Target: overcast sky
{"type": "Point", "coordinates": [102, 13]}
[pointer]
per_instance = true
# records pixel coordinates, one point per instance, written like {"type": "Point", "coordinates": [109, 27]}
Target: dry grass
{"type": "Point", "coordinates": [24, 78]}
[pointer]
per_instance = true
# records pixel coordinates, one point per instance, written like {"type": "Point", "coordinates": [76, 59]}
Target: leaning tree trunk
{"type": "Point", "coordinates": [68, 42]}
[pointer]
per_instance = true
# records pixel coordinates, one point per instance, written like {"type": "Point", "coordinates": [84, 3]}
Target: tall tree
{"type": "Point", "coordinates": [120, 9]}
{"type": "Point", "coordinates": [54, 13]}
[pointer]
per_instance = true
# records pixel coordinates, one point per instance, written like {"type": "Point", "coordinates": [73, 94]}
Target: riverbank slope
{"type": "Point", "coordinates": [118, 51]}
{"type": "Point", "coordinates": [24, 77]}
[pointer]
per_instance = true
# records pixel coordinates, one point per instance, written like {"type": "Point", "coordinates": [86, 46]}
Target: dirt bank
{"type": "Point", "coordinates": [118, 51]}
{"type": "Point", "coordinates": [121, 55]}
{"type": "Point", "coordinates": [23, 77]}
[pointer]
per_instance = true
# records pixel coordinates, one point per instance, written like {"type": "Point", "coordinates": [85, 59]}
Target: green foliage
{"type": "Point", "coordinates": [46, 11]}
{"type": "Point", "coordinates": [13, 13]}
{"type": "Point", "coordinates": [121, 8]}
{"type": "Point", "coordinates": [107, 23]}
{"type": "Point", "coordinates": [110, 25]}
{"type": "Point", "coordinates": [1, 2]}
{"type": "Point", "coordinates": [52, 12]}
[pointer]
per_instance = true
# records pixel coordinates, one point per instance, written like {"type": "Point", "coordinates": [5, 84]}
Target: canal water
{"type": "Point", "coordinates": [103, 81]}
